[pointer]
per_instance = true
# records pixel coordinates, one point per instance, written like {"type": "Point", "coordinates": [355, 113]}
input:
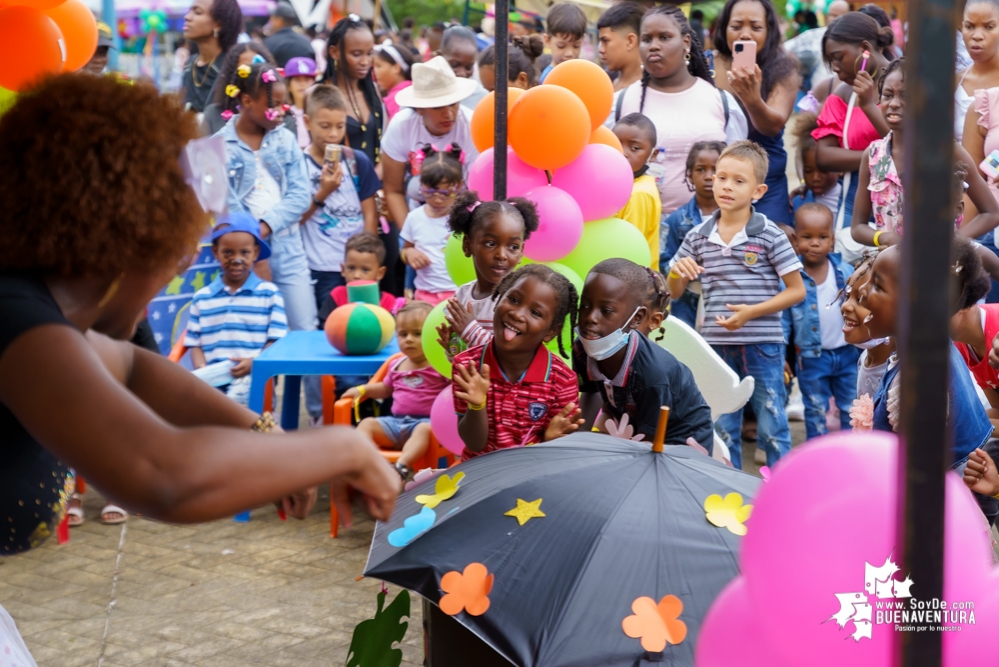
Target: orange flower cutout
{"type": "Point", "coordinates": [656, 625]}
{"type": "Point", "coordinates": [468, 590]}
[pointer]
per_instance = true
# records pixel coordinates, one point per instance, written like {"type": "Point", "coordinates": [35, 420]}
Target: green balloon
{"type": "Point", "coordinates": [460, 268]}
{"type": "Point", "coordinates": [604, 239]}
{"type": "Point", "coordinates": [431, 348]}
{"type": "Point", "coordinates": [567, 332]}
{"type": "Point", "coordinates": [7, 99]}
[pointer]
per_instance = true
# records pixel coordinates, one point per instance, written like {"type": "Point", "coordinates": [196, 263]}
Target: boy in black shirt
{"type": "Point", "coordinates": [622, 371]}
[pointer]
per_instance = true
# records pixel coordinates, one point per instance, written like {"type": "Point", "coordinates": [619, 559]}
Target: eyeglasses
{"type": "Point", "coordinates": [430, 192]}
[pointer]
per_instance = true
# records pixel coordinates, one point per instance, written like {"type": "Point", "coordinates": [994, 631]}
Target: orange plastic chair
{"type": "Point", "coordinates": [341, 414]}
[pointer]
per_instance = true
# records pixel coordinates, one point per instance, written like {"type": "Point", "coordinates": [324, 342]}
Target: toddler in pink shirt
{"type": "Point", "coordinates": [413, 385]}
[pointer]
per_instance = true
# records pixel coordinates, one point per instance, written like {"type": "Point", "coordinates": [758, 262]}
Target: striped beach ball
{"type": "Point", "coordinates": [359, 328]}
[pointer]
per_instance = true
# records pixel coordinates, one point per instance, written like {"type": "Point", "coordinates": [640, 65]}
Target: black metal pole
{"type": "Point", "coordinates": [923, 340]}
{"type": "Point", "coordinates": [502, 67]}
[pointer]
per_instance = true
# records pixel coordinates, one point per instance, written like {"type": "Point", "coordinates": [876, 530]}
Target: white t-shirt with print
{"type": "Point", "coordinates": [325, 234]}
{"type": "Point", "coordinates": [266, 193]}
{"type": "Point", "coordinates": [429, 235]}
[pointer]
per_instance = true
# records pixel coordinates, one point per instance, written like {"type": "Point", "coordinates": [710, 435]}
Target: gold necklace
{"type": "Point", "coordinates": [194, 72]}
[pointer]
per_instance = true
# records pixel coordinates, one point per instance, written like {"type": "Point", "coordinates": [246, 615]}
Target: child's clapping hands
{"type": "Point", "coordinates": [471, 386]}
{"type": "Point", "coordinates": [565, 422]}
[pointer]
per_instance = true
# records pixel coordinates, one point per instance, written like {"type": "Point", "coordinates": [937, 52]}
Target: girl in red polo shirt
{"type": "Point", "coordinates": [512, 391]}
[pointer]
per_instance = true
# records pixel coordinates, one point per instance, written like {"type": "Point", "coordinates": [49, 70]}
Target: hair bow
{"type": "Point", "coordinates": [272, 114]}
{"type": "Point", "coordinates": [354, 17]}
{"type": "Point", "coordinates": [232, 90]}
{"type": "Point", "coordinates": [280, 70]}
{"type": "Point", "coordinates": [268, 76]}
{"type": "Point", "coordinates": [471, 208]}
{"type": "Point", "coordinates": [244, 70]}
{"type": "Point", "coordinates": [226, 115]}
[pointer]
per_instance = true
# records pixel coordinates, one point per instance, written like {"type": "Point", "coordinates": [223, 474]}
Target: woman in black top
{"type": "Point", "coordinates": [349, 60]}
{"type": "Point", "coordinates": [82, 256]}
{"type": "Point", "coordinates": [212, 26]}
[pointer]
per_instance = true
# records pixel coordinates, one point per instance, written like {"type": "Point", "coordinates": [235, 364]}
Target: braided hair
{"type": "Point", "coordinates": [228, 69]}
{"type": "Point", "coordinates": [337, 40]}
{"type": "Point", "coordinates": [688, 173]}
{"type": "Point", "coordinates": [972, 282]}
{"type": "Point", "coordinates": [252, 84]}
{"type": "Point", "coordinates": [698, 64]}
{"type": "Point", "coordinates": [439, 166]}
{"type": "Point", "coordinates": [566, 297]}
{"type": "Point", "coordinates": [468, 213]}
{"type": "Point", "coordinates": [657, 298]}
{"type": "Point", "coordinates": [897, 64]}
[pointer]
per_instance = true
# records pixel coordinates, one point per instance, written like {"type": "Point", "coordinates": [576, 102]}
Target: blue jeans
{"type": "Point", "coordinates": [832, 374]}
{"type": "Point", "coordinates": [685, 308]}
{"type": "Point", "coordinates": [323, 284]}
{"type": "Point", "coordinates": [290, 273]}
{"type": "Point", "coordinates": [765, 364]}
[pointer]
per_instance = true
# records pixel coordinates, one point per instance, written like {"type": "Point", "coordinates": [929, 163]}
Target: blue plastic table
{"type": "Point", "coordinates": [306, 353]}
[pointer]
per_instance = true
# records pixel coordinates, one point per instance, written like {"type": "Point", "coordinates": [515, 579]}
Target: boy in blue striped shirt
{"type": "Point", "coordinates": [238, 315]}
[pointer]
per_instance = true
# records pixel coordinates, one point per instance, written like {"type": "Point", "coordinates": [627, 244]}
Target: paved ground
{"type": "Point", "coordinates": [220, 594]}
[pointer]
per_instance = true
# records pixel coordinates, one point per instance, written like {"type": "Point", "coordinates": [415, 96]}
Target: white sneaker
{"type": "Point", "coordinates": [795, 411]}
{"type": "Point", "coordinates": [316, 422]}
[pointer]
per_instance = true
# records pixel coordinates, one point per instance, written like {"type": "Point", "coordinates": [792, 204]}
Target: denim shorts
{"type": "Point", "coordinates": [399, 429]}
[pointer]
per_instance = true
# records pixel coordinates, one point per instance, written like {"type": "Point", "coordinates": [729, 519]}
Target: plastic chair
{"type": "Point", "coordinates": [342, 413]}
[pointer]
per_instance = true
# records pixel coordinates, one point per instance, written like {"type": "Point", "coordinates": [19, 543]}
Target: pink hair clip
{"type": "Point", "coordinates": [226, 115]}
{"type": "Point", "coordinates": [272, 114]}
{"type": "Point", "coordinates": [268, 76]}
{"type": "Point", "coordinates": [472, 207]}
{"type": "Point", "coordinates": [286, 107]}
{"type": "Point", "coordinates": [280, 70]}
{"type": "Point", "coordinates": [461, 158]}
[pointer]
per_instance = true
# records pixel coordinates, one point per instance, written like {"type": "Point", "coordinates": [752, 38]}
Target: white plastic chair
{"type": "Point", "coordinates": [719, 384]}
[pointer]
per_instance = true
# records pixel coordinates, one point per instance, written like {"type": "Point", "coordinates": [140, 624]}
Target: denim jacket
{"type": "Point", "coordinates": [674, 229]}
{"type": "Point", "coordinates": [283, 159]}
{"type": "Point", "coordinates": [805, 315]}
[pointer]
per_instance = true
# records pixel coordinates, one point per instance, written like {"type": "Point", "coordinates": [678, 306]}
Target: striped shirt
{"type": "Point", "coordinates": [747, 270]}
{"type": "Point", "coordinates": [480, 330]}
{"type": "Point", "coordinates": [519, 411]}
{"type": "Point", "coordinates": [236, 325]}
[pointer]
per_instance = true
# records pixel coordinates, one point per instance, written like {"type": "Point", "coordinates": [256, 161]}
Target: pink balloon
{"type": "Point", "coordinates": [520, 176]}
{"type": "Point", "coordinates": [444, 423]}
{"type": "Point", "coordinates": [560, 224]}
{"type": "Point", "coordinates": [732, 633]}
{"type": "Point", "coordinates": [600, 180]}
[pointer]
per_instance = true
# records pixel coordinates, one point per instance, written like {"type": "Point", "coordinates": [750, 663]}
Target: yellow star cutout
{"type": "Point", "coordinates": [525, 511]}
{"type": "Point", "coordinates": [175, 285]}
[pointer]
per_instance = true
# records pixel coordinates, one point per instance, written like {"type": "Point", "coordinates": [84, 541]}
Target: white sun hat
{"type": "Point", "coordinates": [434, 85]}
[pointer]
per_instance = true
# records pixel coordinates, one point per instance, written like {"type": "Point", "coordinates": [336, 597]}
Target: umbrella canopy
{"type": "Point", "coordinates": [619, 523]}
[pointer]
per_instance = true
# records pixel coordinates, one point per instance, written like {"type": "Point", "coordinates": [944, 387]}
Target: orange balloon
{"type": "Point", "coordinates": [590, 83]}
{"type": "Point", "coordinates": [43, 5]}
{"type": "Point", "coordinates": [602, 135]}
{"type": "Point", "coordinates": [484, 118]}
{"type": "Point", "coordinates": [549, 127]}
{"type": "Point", "coordinates": [79, 32]}
{"type": "Point", "coordinates": [29, 47]}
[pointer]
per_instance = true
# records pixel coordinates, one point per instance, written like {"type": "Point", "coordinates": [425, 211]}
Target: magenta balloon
{"type": "Point", "coordinates": [600, 180]}
{"type": "Point", "coordinates": [520, 177]}
{"type": "Point", "coordinates": [732, 632]}
{"type": "Point", "coordinates": [444, 422]}
{"type": "Point", "coordinates": [560, 224]}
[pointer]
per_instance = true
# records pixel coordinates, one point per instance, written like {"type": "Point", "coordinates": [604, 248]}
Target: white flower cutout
{"type": "Point", "coordinates": [624, 430]}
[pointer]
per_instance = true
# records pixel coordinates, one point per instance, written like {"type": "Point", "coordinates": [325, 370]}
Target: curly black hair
{"type": "Point", "coordinates": [774, 61]}
{"type": "Point", "coordinates": [898, 64]}
{"type": "Point", "coordinates": [635, 276]}
{"type": "Point", "coordinates": [252, 85]}
{"type": "Point", "coordinates": [228, 69]}
{"type": "Point", "coordinates": [464, 221]}
{"type": "Point", "coordinates": [439, 166]}
{"type": "Point", "coordinates": [230, 19]}
{"type": "Point", "coordinates": [971, 282]}
{"type": "Point", "coordinates": [567, 304]}
{"type": "Point", "coordinates": [698, 64]}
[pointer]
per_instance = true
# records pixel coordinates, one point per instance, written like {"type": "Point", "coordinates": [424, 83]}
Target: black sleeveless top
{"type": "Point", "coordinates": [34, 485]}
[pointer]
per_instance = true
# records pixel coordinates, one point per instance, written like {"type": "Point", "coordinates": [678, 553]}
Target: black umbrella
{"type": "Point", "coordinates": [620, 522]}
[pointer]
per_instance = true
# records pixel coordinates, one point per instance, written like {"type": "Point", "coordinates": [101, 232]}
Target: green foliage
{"type": "Point", "coordinates": [426, 12]}
{"type": "Point", "coordinates": [371, 645]}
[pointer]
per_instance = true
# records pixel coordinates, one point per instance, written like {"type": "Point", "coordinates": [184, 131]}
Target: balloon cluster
{"type": "Point", "coordinates": [812, 581]}
{"type": "Point", "coordinates": [43, 37]}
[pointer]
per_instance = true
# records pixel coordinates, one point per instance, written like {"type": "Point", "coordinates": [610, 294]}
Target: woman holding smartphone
{"type": "Point", "coordinates": [765, 85]}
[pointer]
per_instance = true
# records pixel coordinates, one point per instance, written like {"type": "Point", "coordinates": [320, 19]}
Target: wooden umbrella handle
{"type": "Point", "coordinates": [657, 444]}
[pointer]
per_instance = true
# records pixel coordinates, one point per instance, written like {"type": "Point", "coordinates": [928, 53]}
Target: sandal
{"type": "Point", "coordinates": [110, 509]}
{"type": "Point", "coordinates": [403, 470]}
{"type": "Point", "coordinates": [74, 511]}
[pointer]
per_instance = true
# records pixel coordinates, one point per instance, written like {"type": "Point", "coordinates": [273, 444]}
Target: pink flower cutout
{"type": "Point", "coordinates": [622, 430]}
{"type": "Point", "coordinates": [862, 413]}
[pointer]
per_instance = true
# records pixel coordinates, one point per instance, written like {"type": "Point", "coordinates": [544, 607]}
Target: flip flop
{"type": "Point", "coordinates": [75, 513]}
{"type": "Point", "coordinates": [113, 509]}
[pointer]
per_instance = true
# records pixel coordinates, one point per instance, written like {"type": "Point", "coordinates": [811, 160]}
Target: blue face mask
{"type": "Point", "coordinates": [602, 348]}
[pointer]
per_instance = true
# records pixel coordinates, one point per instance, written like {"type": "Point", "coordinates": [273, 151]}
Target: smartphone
{"type": "Point", "coordinates": [744, 53]}
{"type": "Point", "coordinates": [333, 153]}
{"type": "Point", "coordinates": [990, 165]}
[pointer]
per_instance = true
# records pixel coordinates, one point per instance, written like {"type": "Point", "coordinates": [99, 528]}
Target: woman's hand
{"type": "Point", "coordinates": [565, 422]}
{"type": "Point", "coordinates": [329, 180]}
{"type": "Point", "coordinates": [745, 83]}
{"type": "Point", "coordinates": [299, 504]}
{"type": "Point", "coordinates": [865, 89]}
{"type": "Point", "coordinates": [473, 386]}
{"type": "Point", "coordinates": [372, 476]}
{"type": "Point", "coordinates": [416, 258]}
{"type": "Point", "coordinates": [459, 318]}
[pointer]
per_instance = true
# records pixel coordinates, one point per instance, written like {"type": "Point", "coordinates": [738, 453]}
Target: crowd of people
{"type": "Point", "coordinates": [350, 163]}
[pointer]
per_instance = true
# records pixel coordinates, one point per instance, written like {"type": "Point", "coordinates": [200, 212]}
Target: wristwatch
{"type": "Point", "coordinates": [317, 203]}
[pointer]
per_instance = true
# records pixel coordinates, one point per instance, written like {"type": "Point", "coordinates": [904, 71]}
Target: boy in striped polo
{"type": "Point", "coordinates": [741, 258]}
{"type": "Point", "coordinates": [238, 315]}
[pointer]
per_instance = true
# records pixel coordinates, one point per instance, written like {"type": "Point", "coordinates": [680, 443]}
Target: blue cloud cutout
{"type": "Point", "coordinates": [413, 527]}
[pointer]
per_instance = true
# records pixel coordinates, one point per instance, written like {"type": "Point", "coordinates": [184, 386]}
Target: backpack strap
{"type": "Point", "coordinates": [724, 105]}
{"type": "Point", "coordinates": [619, 104]}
